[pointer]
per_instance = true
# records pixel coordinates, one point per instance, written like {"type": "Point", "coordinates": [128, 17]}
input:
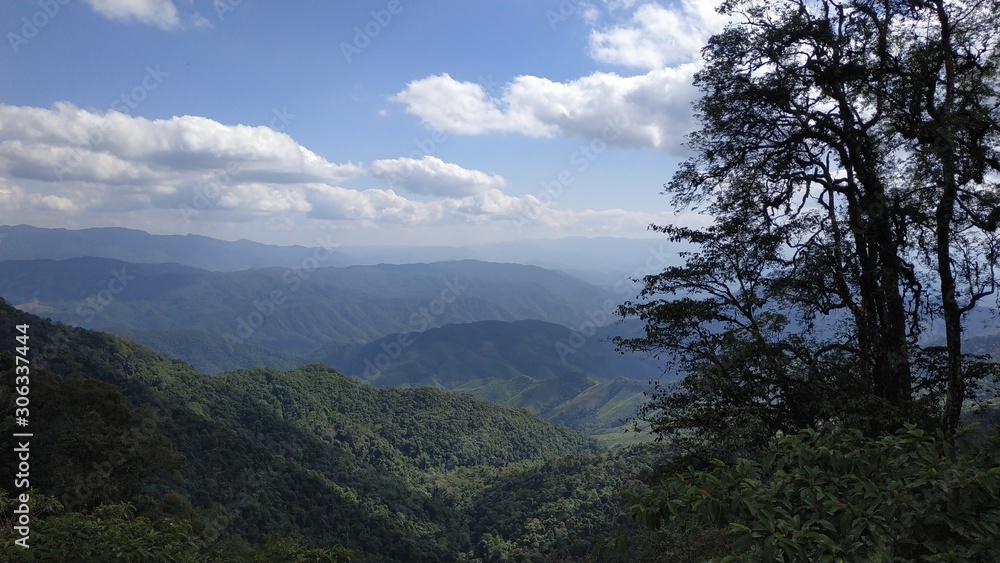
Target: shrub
{"type": "Point", "coordinates": [842, 497]}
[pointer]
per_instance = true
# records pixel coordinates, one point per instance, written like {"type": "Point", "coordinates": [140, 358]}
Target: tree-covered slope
{"type": "Point", "coordinates": [576, 378]}
{"type": "Point", "coordinates": [308, 454]}
{"type": "Point", "coordinates": [209, 353]}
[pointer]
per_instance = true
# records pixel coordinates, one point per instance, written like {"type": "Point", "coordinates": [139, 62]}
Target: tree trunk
{"type": "Point", "coordinates": [944, 217]}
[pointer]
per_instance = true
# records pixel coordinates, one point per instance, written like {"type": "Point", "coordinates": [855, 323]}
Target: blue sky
{"type": "Point", "coordinates": [395, 122]}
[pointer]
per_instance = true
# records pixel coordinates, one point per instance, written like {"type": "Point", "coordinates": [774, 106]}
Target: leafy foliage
{"type": "Point", "coordinates": [115, 532]}
{"type": "Point", "coordinates": [839, 496]}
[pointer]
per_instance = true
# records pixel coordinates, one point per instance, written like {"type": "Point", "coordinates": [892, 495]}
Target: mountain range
{"type": "Point", "coordinates": [566, 377]}
{"type": "Point", "coordinates": [295, 310]}
{"type": "Point", "coordinates": [599, 260]}
{"type": "Point", "coordinates": [490, 343]}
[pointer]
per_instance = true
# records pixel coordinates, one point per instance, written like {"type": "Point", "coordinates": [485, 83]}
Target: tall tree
{"type": "Point", "coordinates": [944, 105]}
{"type": "Point", "coordinates": [821, 153]}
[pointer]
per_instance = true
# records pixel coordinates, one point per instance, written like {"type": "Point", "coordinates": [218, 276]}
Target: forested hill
{"type": "Point", "coordinates": [566, 376]}
{"type": "Point", "coordinates": [307, 454]}
{"type": "Point", "coordinates": [295, 310]}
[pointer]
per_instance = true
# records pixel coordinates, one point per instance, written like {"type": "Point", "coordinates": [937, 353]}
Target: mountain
{"type": "Point", "coordinates": [296, 310]}
{"type": "Point", "coordinates": [599, 260]}
{"type": "Point", "coordinates": [24, 242]}
{"type": "Point", "coordinates": [461, 354]}
{"type": "Point", "coordinates": [208, 353]}
{"type": "Point", "coordinates": [207, 464]}
{"type": "Point", "coordinates": [563, 375]}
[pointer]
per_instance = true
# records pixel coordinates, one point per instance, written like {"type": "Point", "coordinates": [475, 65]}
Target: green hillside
{"type": "Point", "coordinates": [208, 353]}
{"type": "Point", "coordinates": [237, 460]}
{"type": "Point", "coordinates": [566, 377]}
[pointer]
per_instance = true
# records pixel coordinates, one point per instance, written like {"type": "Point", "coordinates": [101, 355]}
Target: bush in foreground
{"type": "Point", "coordinates": [836, 497]}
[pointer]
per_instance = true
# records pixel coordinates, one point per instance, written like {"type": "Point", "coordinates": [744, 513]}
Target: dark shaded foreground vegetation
{"type": "Point", "coordinates": [838, 496]}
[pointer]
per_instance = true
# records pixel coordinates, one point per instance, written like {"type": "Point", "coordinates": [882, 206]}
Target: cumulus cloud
{"type": "Point", "coordinates": [111, 160]}
{"type": "Point", "coordinates": [657, 36]}
{"type": "Point", "coordinates": [465, 108]}
{"type": "Point", "coordinates": [67, 159]}
{"type": "Point", "coordinates": [432, 176]}
{"type": "Point", "coordinates": [87, 167]}
{"type": "Point", "coordinates": [13, 197]}
{"type": "Point", "coordinates": [77, 144]}
{"type": "Point", "coordinates": [619, 4]}
{"type": "Point", "coordinates": [159, 13]}
{"type": "Point", "coordinates": [335, 202]}
{"type": "Point", "coordinates": [650, 110]}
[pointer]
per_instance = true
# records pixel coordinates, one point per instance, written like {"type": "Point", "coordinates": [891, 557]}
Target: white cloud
{"type": "Point", "coordinates": [200, 22]}
{"type": "Point", "coordinates": [432, 176]}
{"type": "Point", "coordinates": [450, 105]}
{"type": "Point", "coordinates": [264, 198]}
{"type": "Point", "coordinates": [657, 36]}
{"type": "Point", "coordinates": [112, 161]}
{"type": "Point", "coordinates": [159, 13]}
{"type": "Point", "coordinates": [70, 143]}
{"type": "Point", "coordinates": [132, 171]}
{"type": "Point", "coordinates": [70, 159]}
{"type": "Point", "coordinates": [652, 109]}
{"type": "Point", "coordinates": [589, 13]}
{"type": "Point", "coordinates": [620, 4]}
{"type": "Point", "coordinates": [14, 198]}
{"type": "Point", "coordinates": [335, 202]}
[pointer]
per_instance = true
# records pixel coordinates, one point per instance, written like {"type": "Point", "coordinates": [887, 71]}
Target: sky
{"type": "Point", "coordinates": [452, 122]}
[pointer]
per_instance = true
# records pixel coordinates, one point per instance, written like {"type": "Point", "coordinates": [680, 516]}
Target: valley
{"type": "Point", "coordinates": [496, 331]}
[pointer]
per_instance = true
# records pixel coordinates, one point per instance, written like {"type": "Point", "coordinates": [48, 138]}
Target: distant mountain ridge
{"type": "Point", "coordinates": [600, 260]}
{"type": "Point", "coordinates": [24, 242]}
{"type": "Point", "coordinates": [296, 310]}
